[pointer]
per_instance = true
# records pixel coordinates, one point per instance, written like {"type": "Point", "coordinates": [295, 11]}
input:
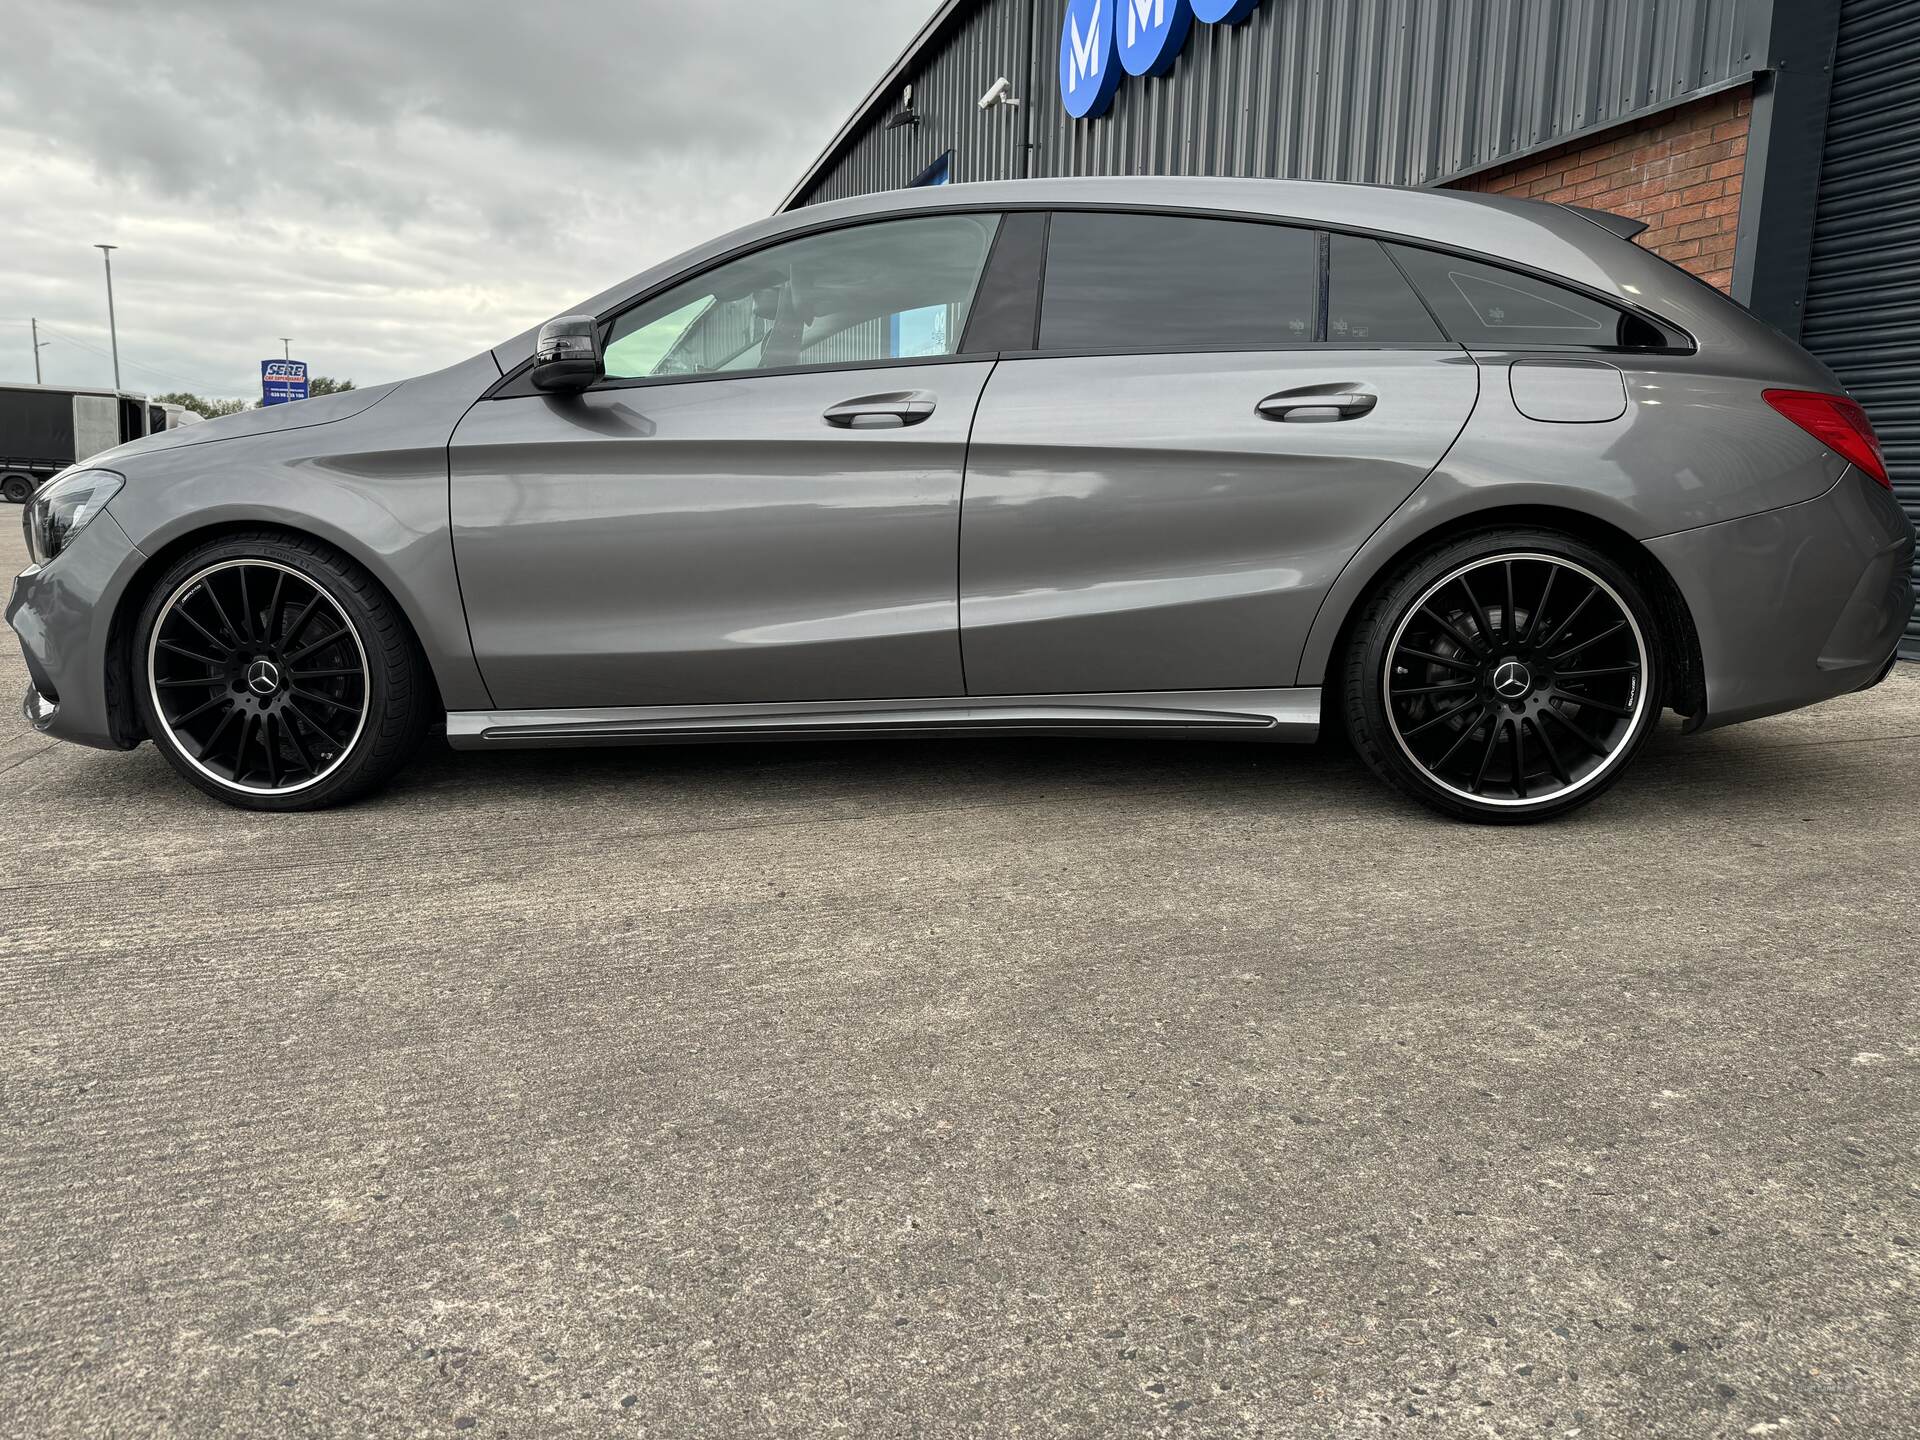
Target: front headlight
{"type": "Point", "coordinates": [60, 508]}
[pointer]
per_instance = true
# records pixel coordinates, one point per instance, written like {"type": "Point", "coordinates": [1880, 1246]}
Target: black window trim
{"type": "Point", "coordinates": [512, 385]}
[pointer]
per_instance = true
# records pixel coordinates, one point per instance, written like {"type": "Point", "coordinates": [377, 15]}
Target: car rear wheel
{"type": "Point", "coordinates": [17, 488]}
{"type": "Point", "coordinates": [1505, 677]}
{"type": "Point", "coordinates": [274, 674]}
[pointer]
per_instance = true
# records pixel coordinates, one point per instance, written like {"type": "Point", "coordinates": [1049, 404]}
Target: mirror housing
{"type": "Point", "coordinates": [567, 356]}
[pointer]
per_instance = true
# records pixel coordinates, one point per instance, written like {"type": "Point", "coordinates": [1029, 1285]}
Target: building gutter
{"type": "Point", "coordinates": [1786, 140]}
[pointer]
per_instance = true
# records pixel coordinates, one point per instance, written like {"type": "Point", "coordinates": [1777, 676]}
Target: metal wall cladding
{"type": "Point", "coordinates": [1862, 313]}
{"type": "Point", "coordinates": [1406, 92]}
{"type": "Point", "coordinates": [990, 39]}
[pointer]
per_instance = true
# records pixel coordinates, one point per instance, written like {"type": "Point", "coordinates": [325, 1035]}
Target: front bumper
{"type": "Point", "coordinates": [62, 613]}
{"type": "Point", "coordinates": [1796, 605]}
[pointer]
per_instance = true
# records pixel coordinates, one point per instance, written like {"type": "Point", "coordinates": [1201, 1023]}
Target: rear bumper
{"type": "Point", "coordinates": [1796, 605]}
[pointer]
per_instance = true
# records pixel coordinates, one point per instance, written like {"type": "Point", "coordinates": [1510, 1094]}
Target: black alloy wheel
{"type": "Point", "coordinates": [275, 674]}
{"type": "Point", "coordinates": [259, 676]}
{"type": "Point", "coordinates": [1514, 682]}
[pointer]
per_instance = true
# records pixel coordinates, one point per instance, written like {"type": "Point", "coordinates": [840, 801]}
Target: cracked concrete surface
{"type": "Point", "coordinates": [1001, 1088]}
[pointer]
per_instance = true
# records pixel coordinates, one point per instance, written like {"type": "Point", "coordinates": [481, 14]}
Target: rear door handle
{"type": "Point", "coordinates": [882, 412]}
{"type": "Point", "coordinates": [1318, 402]}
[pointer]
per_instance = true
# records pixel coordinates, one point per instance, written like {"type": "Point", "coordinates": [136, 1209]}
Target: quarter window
{"type": "Point", "coordinates": [1487, 308]}
{"type": "Point", "coordinates": [896, 290]}
{"type": "Point", "coordinates": [1166, 282]}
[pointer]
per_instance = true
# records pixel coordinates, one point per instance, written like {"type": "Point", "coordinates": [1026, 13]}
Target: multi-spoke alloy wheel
{"type": "Point", "coordinates": [1513, 681]}
{"type": "Point", "coordinates": [259, 676]}
{"type": "Point", "coordinates": [1516, 678]}
{"type": "Point", "coordinates": [275, 674]}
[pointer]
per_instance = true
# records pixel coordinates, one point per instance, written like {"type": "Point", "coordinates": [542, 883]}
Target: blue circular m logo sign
{"type": "Point", "coordinates": [1100, 38]}
{"type": "Point", "coordinates": [1089, 63]}
{"type": "Point", "coordinates": [1151, 33]}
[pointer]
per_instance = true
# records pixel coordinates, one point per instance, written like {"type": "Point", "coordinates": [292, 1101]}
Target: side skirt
{"type": "Point", "coordinates": [1273, 715]}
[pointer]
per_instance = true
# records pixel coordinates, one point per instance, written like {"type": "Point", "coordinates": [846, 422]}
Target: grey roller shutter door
{"type": "Point", "coordinates": [1863, 292]}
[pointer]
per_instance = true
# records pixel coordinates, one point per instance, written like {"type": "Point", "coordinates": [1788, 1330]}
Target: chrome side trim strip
{"type": "Point", "coordinates": [1282, 715]}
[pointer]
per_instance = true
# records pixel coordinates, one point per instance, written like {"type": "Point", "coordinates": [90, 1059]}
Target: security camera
{"type": "Point", "coordinates": [998, 94]}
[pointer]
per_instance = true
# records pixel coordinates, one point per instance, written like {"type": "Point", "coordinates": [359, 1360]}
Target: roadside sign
{"type": "Point", "coordinates": [282, 380]}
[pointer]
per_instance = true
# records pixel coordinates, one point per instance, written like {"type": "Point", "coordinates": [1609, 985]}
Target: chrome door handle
{"type": "Point", "coordinates": [882, 412]}
{"type": "Point", "coordinates": [1318, 402]}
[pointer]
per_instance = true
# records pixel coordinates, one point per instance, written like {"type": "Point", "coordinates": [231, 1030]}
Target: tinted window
{"type": "Point", "coordinates": [1369, 301]}
{"type": "Point", "coordinates": [1484, 307]}
{"type": "Point", "coordinates": [847, 297]}
{"type": "Point", "coordinates": [1117, 282]}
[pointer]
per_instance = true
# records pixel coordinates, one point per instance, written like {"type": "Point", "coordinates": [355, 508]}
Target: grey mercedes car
{"type": "Point", "coordinates": [1479, 479]}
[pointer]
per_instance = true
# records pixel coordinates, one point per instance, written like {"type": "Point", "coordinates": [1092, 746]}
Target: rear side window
{"type": "Point", "coordinates": [1369, 301]}
{"type": "Point", "coordinates": [1486, 308]}
{"type": "Point", "coordinates": [1166, 282]}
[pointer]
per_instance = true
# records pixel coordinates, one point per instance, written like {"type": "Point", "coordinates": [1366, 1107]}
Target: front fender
{"type": "Point", "coordinates": [373, 485]}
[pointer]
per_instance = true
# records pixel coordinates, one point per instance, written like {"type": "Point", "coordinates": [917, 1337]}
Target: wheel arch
{"type": "Point", "coordinates": [123, 715]}
{"type": "Point", "coordinates": [1378, 563]}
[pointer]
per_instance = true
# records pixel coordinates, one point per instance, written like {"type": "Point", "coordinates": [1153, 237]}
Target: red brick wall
{"type": "Point", "coordinates": [1679, 171]}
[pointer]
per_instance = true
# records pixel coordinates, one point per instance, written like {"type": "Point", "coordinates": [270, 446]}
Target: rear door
{"type": "Point", "coordinates": [1217, 413]}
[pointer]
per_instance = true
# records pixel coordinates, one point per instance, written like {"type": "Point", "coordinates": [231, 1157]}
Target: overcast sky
{"type": "Point", "coordinates": [395, 184]}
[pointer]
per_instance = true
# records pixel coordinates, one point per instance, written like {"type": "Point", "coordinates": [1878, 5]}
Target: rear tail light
{"type": "Point", "coordinates": [1838, 423]}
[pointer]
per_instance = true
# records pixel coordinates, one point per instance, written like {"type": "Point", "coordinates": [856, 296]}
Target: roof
{"type": "Point", "coordinates": [75, 389]}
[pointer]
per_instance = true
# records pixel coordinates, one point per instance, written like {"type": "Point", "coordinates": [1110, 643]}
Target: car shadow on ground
{"type": "Point", "coordinates": [1676, 773]}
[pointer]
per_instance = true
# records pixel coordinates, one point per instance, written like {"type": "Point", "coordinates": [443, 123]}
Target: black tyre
{"type": "Point", "coordinates": [1504, 677]}
{"type": "Point", "coordinates": [275, 674]}
{"type": "Point", "coordinates": [17, 488]}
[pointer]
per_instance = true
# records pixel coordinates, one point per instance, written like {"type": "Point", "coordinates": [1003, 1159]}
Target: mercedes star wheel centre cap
{"type": "Point", "coordinates": [1512, 680]}
{"type": "Point", "coordinates": [263, 677]}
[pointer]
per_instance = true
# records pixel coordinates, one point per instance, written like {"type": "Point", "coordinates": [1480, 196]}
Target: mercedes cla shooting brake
{"type": "Point", "coordinates": [1479, 479]}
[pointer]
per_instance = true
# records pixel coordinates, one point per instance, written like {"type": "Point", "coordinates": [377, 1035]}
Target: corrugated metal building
{"type": "Point", "coordinates": [1773, 146]}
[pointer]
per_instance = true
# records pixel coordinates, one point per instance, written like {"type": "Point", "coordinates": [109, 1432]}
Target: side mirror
{"type": "Point", "coordinates": [567, 358]}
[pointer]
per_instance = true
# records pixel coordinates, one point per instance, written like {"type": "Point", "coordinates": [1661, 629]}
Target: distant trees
{"type": "Point", "coordinates": [213, 409]}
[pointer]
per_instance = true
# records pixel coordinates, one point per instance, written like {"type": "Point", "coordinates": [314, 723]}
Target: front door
{"type": "Point", "coordinates": [760, 503]}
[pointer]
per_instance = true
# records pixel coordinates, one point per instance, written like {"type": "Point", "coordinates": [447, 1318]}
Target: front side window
{"type": "Point", "coordinates": [898, 289]}
{"type": "Point", "coordinates": [1167, 282]}
{"type": "Point", "coordinates": [1486, 308]}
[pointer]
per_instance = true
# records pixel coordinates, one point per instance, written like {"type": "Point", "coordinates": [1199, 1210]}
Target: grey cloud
{"type": "Point", "coordinates": [395, 184]}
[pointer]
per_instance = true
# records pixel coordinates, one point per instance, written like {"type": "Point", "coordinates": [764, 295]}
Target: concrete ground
{"type": "Point", "coordinates": [1005, 1088]}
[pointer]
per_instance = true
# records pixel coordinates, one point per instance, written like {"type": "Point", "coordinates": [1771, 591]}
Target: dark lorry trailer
{"type": "Point", "coordinates": [45, 428]}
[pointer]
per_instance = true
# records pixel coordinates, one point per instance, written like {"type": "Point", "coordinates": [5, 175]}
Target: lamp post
{"type": "Point", "coordinates": [285, 352]}
{"type": "Point", "coordinates": [38, 346]}
{"type": "Point", "coordinates": [113, 330]}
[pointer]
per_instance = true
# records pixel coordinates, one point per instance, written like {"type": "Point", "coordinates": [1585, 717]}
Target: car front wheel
{"type": "Point", "coordinates": [1504, 677]}
{"type": "Point", "coordinates": [274, 674]}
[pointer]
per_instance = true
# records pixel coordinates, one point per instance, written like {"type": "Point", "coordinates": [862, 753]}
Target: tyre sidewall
{"type": "Point", "coordinates": [348, 587]}
{"type": "Point", "coordinates": [1366, 689]}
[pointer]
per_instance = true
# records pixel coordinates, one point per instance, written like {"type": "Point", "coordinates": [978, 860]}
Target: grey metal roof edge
{"type": "Point", "coordinates": [929, 32]}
